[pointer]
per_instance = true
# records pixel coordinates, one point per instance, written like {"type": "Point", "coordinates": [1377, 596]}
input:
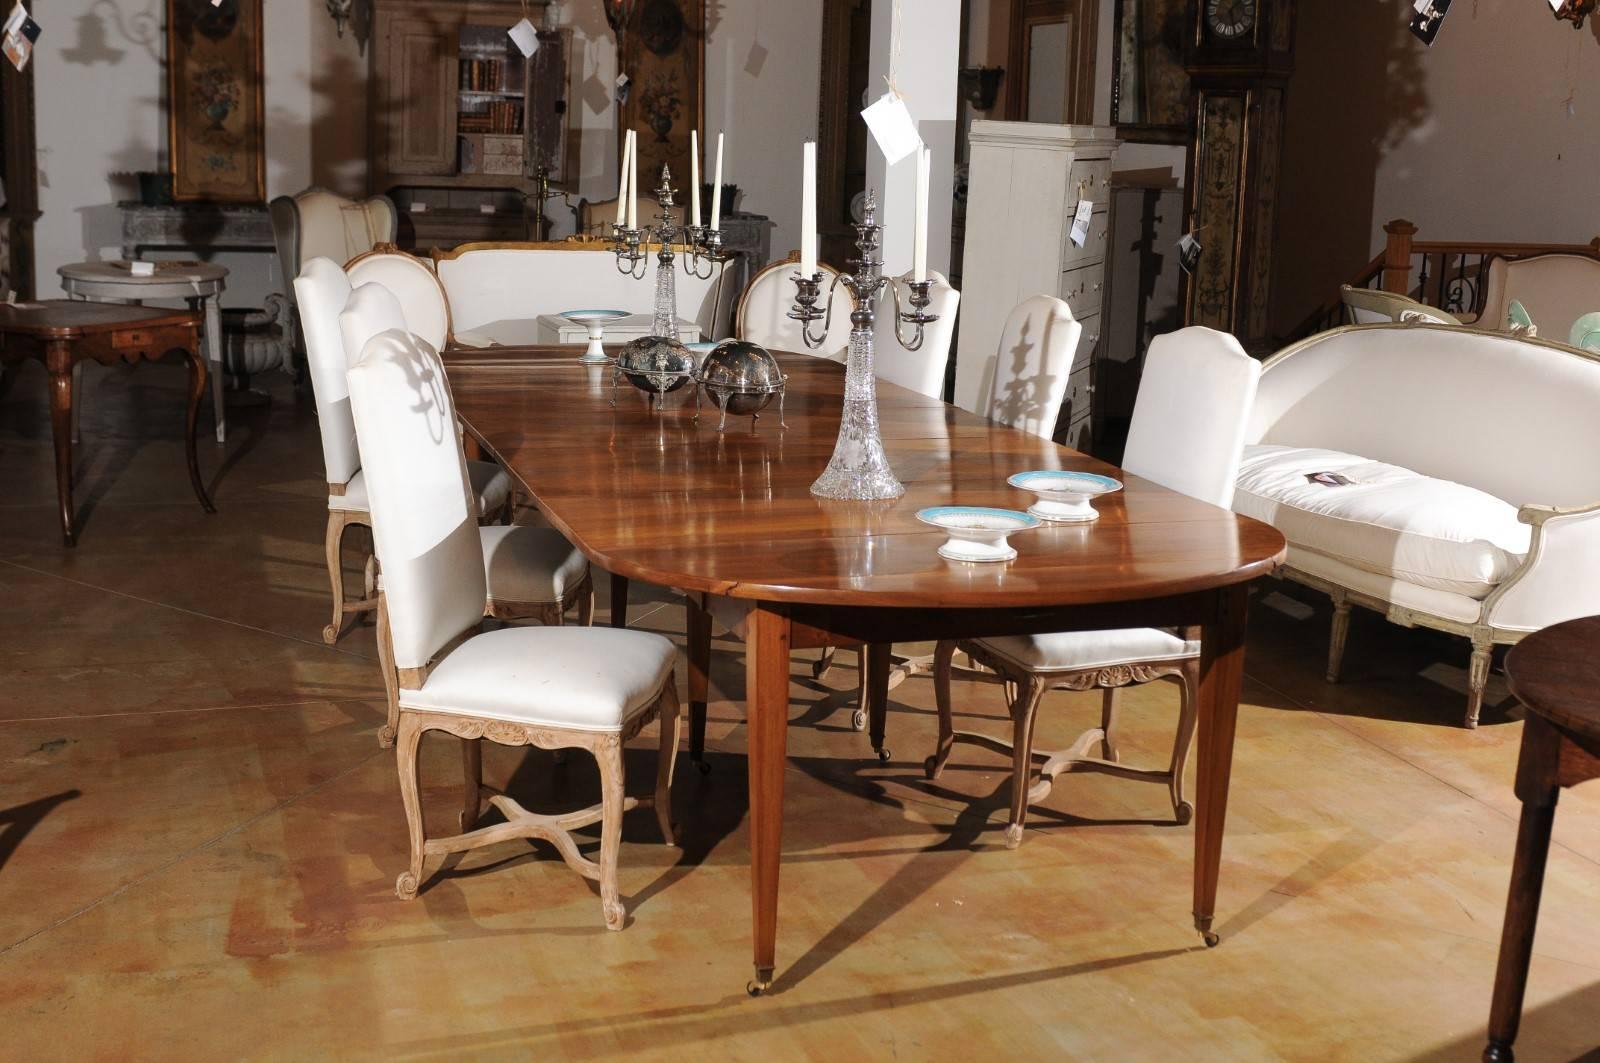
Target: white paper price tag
{"type": "Point", "coordinates": [525, 37]}
{"type": "Point", "coordinates": [892, 127]}
{"type": "Point", "coordinates": [1080, 222]}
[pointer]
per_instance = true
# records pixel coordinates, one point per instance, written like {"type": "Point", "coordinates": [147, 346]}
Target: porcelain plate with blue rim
{"type": "Point", "coordinates": [977, 533]}
{"type": "Point", "coordinates": [586, 316]}
{"type": "Point", "coordinates": [1063, 495]}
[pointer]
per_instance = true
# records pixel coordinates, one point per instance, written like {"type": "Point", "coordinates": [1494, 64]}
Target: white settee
{"type": "Point", "coordinates": [1555, 290]}
{"type": "Point", "coordinates": [1474, 502]}
{"type": "Point", "coordinates": [498, 291]}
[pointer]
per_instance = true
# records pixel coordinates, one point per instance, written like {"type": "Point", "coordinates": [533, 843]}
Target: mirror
{"type": "Point", "coordinates": [1050, 62]}
{"type": "Point", "coordinates": [1150, 95]}
{"type": "Point", "coordinates": [1047, 71]}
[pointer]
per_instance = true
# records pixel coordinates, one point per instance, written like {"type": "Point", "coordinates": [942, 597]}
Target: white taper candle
{"type": "Point", "coordinates": [808, 211]}
{"type": "Point", "coordinates": [622, 178]}
{"type": "Point", "coordinates": [716, 191]}
{"type": "Point", "coordinates": [633, 180]}
{"type": "Point", "coordinates": [919, 245]}
{"type": "Point", "coordinates": [694, 178]}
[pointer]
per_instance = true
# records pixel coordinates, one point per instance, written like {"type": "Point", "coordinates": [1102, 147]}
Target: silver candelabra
{"type": "Point", "coordinates": [859, 470]}
{"type": "Point", "coordinates": [703, 243]}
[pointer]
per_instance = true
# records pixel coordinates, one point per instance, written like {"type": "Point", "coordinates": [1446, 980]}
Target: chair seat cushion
{"type": "Point", "coordinates": [529, 565]}
{"type": "Point", "coordinates": [580, 678]}
{"type": "Point", "coordinates": [490, 483]}
{"type": "Point", "coordinates": [1073, 650]}
{"type": "Point", "coordinates": [1388, 520]}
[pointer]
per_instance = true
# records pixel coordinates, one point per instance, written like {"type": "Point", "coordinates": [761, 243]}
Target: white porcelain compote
{"type": "Point", "coordinates": [1064, 496]}
{"type": "Point", "coordinates": [596, 320]}
{"type": "Point", "coordinates": [977, 533]}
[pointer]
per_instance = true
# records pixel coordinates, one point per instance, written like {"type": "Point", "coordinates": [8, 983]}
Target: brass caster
{"type": "Point", "coordinates": [1211, 939]}
{"type": "Point", "coordinates": [1013, 835]}
{"type": "Point", "coordinates": [1495, 1052]}
{"type": "Point", "coordinates": [1184, 813]}
{"type": "Point", "coordinates": [760, 983]}
{"type": "Point", "coordinates": [405, 887]}
{"type": "Point", "coordinates": [883, 755]}
{"type": "Point", "coordinates": [858, 720]}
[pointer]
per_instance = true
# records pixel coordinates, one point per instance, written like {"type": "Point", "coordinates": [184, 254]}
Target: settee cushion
{"type": "Point", "coordinates": [1388, 520]}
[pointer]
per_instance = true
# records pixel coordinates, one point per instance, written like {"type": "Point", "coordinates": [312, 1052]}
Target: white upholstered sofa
{"type": "Point", "coordinates": [1474, 498]}
{"type": "Point", "coordinates": [498, 291]}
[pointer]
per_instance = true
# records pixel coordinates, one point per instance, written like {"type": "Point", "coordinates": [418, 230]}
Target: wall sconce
{"type": "Point", "coordinates": [981, 84]}
{"type": "Point", "coordinates": [1575, 11]}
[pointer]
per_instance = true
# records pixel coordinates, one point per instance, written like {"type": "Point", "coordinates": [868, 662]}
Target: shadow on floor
{"type": "Point", "coordinates": [19, 820]}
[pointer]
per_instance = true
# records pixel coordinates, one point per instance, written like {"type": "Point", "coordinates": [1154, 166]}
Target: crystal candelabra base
{"type": "Point", "coordinates": [859, 470]}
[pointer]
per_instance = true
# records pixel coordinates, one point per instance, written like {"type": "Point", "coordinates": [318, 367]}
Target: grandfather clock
{"type": "Point", "coordinates": [1239, 57]}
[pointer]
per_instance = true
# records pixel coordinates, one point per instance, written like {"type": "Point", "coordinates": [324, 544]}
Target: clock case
{"type": "Point", "coordinates": [1233, 168]}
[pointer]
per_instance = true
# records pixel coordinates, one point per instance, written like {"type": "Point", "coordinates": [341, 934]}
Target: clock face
{"type": "Point", "coordinates": [1230, 20]}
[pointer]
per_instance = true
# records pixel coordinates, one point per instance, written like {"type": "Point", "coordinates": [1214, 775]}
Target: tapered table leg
{"type": "Point", "coordinates": [197, 388]}
{"type": "Point", "coordinates": [58, 358]}
{"type": "Point", "coordinates": [1537, 787]}
{"type": "Point", "coordinates": [1221, 676]}
{"type": "Point", "coordinates": [767, 644]}
{"type": "Point", "coordinates": [619, 600]}
{"type": "Point", "coordinates": [876, 659]}
{"type": "Point", "coordinates": [698, 631]}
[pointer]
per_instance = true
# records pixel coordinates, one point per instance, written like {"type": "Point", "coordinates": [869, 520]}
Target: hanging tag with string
{"type": "Point", "coordinates": [888, 118]}
{"type": "Point", "coordinates": [19, 33]}
{"type": "Point", "coordinates": [523, 35]}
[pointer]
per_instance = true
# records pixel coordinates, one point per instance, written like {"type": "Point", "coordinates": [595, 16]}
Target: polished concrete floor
{"type": "Point", "coordinates": [199, 835]}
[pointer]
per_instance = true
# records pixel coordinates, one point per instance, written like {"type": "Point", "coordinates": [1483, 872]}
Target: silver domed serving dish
{"type": "Point", "coordinates": [653, 364]}
{"type": "Point", "coordinates": [741, 377]}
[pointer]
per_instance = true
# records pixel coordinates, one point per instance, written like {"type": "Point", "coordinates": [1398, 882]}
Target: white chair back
{"type": "Point", "coordinates": [921, 370]}
{"type": "Point", "coordinates": [371, 309]}
{"type": "Point", "coordinates": [1371, 306]}
{"type": "Point", "coordinates": [1032, 364]}
{"type": "Point", "coordinates": [1192, 412]}
{"type": "Point", "coordinates": [763, 315]}
{"type": "Point", "coordinates": [321, 291]}
{"type": "Point", "coordinates": [424, 525]}
{"type": "Point", "coordinates": [414, 283]}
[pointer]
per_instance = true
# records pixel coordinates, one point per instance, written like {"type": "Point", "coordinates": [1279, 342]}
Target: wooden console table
{"type": "Point", "coordinates": [61, 333]}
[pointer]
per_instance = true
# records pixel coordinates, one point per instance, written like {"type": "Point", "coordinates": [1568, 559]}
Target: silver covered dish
{"type": "Point", "coordinates": [655, 364]}
{"type": "Point", "coordinates": [741, 377]}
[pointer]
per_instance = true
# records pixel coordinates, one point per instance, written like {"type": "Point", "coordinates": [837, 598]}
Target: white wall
{"type": "Point", "coordinates": [1499, 137]}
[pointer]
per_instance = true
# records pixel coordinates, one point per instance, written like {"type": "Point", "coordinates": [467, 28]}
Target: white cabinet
{"type": "Point", "coordinates": [1025, 182]}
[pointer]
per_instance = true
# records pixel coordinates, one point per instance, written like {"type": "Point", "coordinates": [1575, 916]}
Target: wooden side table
{"type": "Point", "coordinates": [199, 282]}
{"type": "Point", "coordinates": [1555, 673]}
{"type": "Point", "coordinates": [60, 333]}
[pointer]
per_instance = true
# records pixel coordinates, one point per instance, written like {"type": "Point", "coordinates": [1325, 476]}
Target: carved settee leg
{"type": "Point", "coordinates": [1338, 635]}
{"type": "Point", "coordinates": [1477, 679]}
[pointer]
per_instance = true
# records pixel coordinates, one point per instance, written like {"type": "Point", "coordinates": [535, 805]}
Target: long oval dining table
{"type": "Point", "coordinates": [649, 493]}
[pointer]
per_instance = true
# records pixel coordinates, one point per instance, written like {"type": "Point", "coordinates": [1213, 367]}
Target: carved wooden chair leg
{"type": "Point", "coordinates": [671, 730]}
{"type": "Point", "coordinates": [1108, 725]}
{"type": "Point", "coordinates": [608, 753]}
{"type": "Point", "coordinates": [1338, 635]}
{"type": "Point", "coordinates": [1189, 688]}
{"type": "Point", "coordinates": [943, 656]}
{"type": "Point", "coordinates": [333, 541]}
{"type": "Point", "coordinates": [822, 664]}
{"type": "Point", "coordinates": [472, 782]}
{"type": "Point", "coordinates": [1024, 709]}
{"type": "Point", "coordinates": [1478, 679]}
{"type": "Point", "coordinates": [405, 754]}
{"type": "Point", "coordinates": [586, 602]}
{"type": "Point", "coordinates": [858, 715]}
{"type": "Point", "coordinates": [698, 632]}
{"type": "Point", "coordinates": [391, 721]}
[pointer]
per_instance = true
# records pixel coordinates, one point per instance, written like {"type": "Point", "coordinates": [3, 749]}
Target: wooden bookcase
{"type": "Point", "coordinates": [461, 122]}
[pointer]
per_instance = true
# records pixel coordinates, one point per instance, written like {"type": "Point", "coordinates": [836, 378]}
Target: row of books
{"type": "Point", "coordinates": [501, 116]}
{"type": "Point", "coordinates": [482, 75]}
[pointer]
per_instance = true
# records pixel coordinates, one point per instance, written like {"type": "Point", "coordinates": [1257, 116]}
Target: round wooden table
{"type": "Point", "coordinates": [199, 282]}
{"type": "Point", "coordinates": [1555, 673]}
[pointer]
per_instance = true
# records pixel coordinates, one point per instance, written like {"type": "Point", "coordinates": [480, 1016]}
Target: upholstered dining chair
{"type": "Point", "coordinates": [1187, 434]}
{"type": "Point", "coordinates": [1032, 365]}
{"type": "Point", "coordinates": [323, 291]}
{"type": "Point", "coordinates": [414, 284]}
{"type": "Point", "coordinates": [552, 687]}
{"type": "Point", "coordinates": [1370, 306]}
{"type": "Point", "coordinates": [923, 369]}
{"type": "Point", "coordinates": [763, 314]}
